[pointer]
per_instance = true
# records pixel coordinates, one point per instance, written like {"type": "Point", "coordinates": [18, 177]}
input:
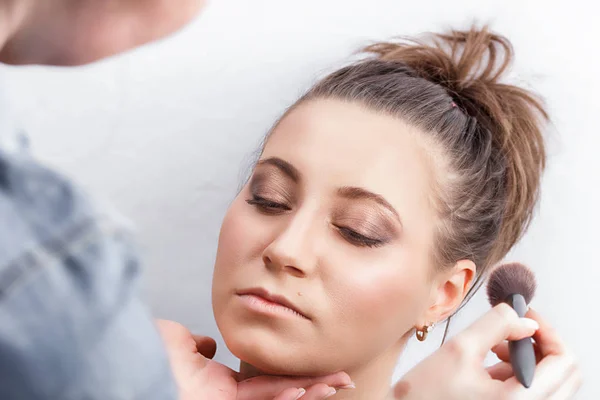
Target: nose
{"type": "Point", "coordinates": [292, 249]}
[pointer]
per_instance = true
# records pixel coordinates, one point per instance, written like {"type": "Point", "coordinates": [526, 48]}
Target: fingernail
{"type": "Point", "coordinates": [530, 323]}
{"type": "Point", "coordinates": [331, 393]}
{"type": "Point", "coordinates": [350, 386]}
{"type": "Point", "coordinates": [301, 393]}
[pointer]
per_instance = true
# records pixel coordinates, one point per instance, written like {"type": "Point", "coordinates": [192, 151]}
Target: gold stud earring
{"type": "Point", "coordinates": [424, 331]}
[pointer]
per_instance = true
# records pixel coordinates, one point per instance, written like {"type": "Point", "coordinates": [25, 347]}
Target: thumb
{"type": "Point", "coordinates": [205, 345]}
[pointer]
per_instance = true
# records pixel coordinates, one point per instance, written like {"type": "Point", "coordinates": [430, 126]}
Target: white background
{"type": "Point", "coordinates": [165, 134]}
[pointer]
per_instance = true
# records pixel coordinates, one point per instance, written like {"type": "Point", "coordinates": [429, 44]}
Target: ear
{"type": "Point", "coordinates": [449, 290]}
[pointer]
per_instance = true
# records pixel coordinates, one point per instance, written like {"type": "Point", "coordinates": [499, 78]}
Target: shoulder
{"type": "Point", "coordinates": [72, 324]}
{"type": "Point", "coordinates": [48, 221]}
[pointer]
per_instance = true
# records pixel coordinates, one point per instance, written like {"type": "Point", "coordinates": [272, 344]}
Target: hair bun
{"type": "Point", "coordinates": [470, 66]}
{"type": "Point", "coordinates": [455, 60]}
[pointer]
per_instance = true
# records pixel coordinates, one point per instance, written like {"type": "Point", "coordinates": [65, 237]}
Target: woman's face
{"type": "Point", "coordinates": [336, 224]}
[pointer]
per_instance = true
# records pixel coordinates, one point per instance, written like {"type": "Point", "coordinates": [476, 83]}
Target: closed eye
{"type": "Point", "coordinates": [267, 206]}
{"type": "Point", "coordinates": [359, 239]}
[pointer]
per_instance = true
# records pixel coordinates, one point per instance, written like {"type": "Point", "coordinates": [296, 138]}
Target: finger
{"type": "Point", "coordinates": [569, 388]}
{"type": "Point", "coordinates": [546, 337]}
{"type": "Point", "coordinates": [290, 394]}
{"type": "Point", "coordinates": [266, 387]}
{"type": "Point", "coordinates": [501, 371]}
{"type": "Point", "coordinates": [501, 351]}
{"type": "Point", "coordinates": [205, 345]}
{"type": "Point", "coordinates": [498, 324]}
{"type": "Point", "coordinates": [550, 375]}
{"type": "Point", "coordinates": [319, 391]}
{"type": "Point", "coordinates": [171, 330]}
{"type": "Point", "coordinates": [176, 337]}
{"type": "Point", "coordinates": [401, 390]}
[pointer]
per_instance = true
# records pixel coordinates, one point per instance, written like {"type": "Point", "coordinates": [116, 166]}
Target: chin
{"type": "Point", "coordinates": [268, 362]}
{"type": "Point", "coordinates": [263, 349]}
{"type": "Point", "coordinates": [271, 352]}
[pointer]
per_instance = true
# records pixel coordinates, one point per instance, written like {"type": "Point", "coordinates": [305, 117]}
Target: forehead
{"type": "Point", "coordinates": [349, 141]}
{"type": "Point", "coordinates": [335, 143]}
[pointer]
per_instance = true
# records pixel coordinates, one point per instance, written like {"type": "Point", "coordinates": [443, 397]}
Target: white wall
{"type": "Point", "coordinates": [163, 133]}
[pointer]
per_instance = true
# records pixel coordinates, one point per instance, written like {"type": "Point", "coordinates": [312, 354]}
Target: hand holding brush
{"type": "Point", "coordinates": [456, 371]}
{"type": "Point", "coordinates": [515, 284]}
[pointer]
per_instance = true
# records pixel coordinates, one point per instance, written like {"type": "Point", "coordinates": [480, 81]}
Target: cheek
{"type": "Point", "coordinates": [231, 239]}
{"type": "Point", "coordinates": [239, 239]}
{"type": "Point", "coordinates": [237, 251]}
{"type": "Point", "coordinates": [386, 294]}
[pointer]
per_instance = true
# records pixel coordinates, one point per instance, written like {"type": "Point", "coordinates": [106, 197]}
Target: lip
{"type": "Point", "coordinates": [261, 294]}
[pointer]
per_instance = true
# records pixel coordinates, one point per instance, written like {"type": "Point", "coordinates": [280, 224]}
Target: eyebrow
{"type": "Point", "coordinates": [355, 193]}
{"type": "Point", "coordinates": [284, 166]}
{"type": "Point", "coordinates": [348, 192]}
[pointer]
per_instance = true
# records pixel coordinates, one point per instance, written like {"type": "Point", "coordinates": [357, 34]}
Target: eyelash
{"type": "Point", "coordinates": [274, 208]}
{"type": "Point", "coordinates": [358, 239]}
{"type": "Point", "coordinates": [267, 206]}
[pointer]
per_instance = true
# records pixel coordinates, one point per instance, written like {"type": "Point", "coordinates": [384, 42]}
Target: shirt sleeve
{"type": "Point", "coordinates": [71, 323]}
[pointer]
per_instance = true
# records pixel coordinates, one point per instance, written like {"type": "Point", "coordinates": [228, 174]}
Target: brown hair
{"type": "Point", "coordinates": [489, 133]}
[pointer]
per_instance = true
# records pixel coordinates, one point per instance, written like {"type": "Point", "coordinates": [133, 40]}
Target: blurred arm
{"type": "Point", "coordinates": [71, 325]}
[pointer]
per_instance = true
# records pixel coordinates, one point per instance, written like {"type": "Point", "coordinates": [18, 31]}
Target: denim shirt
{"type": "Point", "coordinates": [71, 324]}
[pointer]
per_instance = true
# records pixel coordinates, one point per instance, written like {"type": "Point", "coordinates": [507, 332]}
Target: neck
{"type": "Point", "coordinates": [33, 33]}
{"type": "Point", "coordinates": [372, 379]}
{"type": "Point", "coordinates": [66, 32]}
{"type": "Point", "coordinates": [75, 32]}
{"type": "Point", "coordinates": [13, 14]}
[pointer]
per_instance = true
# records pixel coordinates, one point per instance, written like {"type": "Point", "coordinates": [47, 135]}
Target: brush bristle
{"type": "Point", "coordinates": [507, 279]}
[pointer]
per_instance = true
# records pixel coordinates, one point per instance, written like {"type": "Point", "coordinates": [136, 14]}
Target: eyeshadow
{"type": "Point", "coordinates": [366, 219]}
{"type": "Point", "coordinates": [272, 184]}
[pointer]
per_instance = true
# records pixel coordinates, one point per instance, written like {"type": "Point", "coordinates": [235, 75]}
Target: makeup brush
{"type": "Point", "coordinates": [515, 285]}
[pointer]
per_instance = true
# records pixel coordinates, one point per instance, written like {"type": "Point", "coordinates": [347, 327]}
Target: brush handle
{"type": "Point", "coordinates": [522, 355]}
